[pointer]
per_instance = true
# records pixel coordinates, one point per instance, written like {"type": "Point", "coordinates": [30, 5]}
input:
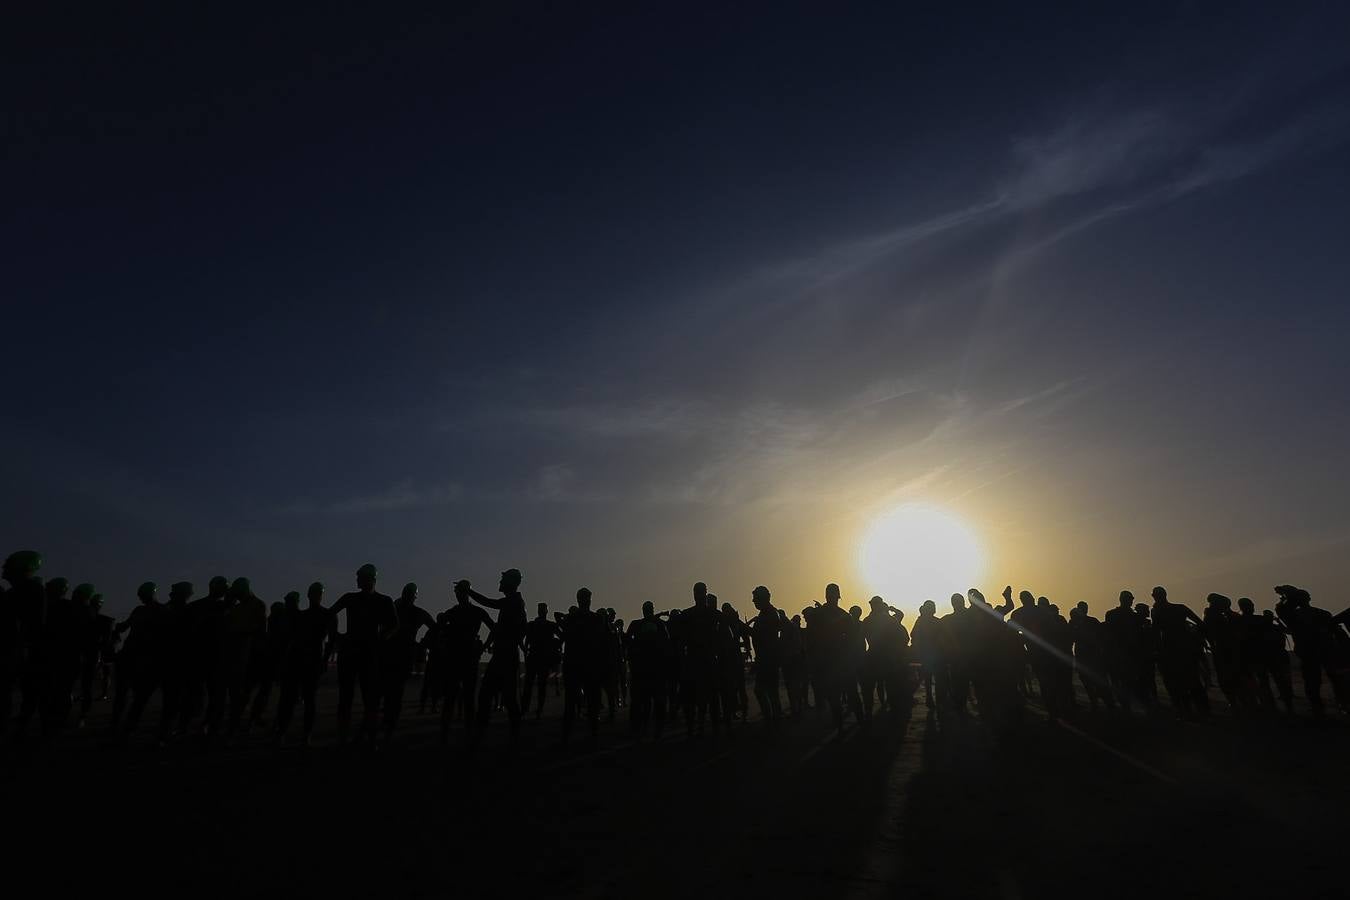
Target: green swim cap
{"type": "Point", "coordinates": [27, 562]}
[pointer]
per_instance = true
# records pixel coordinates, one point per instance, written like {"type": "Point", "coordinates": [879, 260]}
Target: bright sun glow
{"type": "Point", "coordinates": [916, 552]}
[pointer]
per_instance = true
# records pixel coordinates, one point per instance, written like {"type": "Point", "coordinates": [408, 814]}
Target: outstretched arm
{"type": "Point", "coordinates": [489, 602]}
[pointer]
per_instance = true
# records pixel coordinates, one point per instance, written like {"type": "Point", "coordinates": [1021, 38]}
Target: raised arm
{"type": "Point", "coordinates": [489, 602]}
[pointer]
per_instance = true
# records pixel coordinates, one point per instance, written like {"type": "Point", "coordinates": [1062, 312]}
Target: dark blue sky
{"type": "Point", "coordinates": [635, 298]}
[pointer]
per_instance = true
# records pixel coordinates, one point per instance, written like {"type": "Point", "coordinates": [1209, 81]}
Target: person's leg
{"type": "Point", "coordinates": [1311, 669]}
{"type": "Point", "coordinates": [290, 693]}
{"type": "Point", "coordinates": [369, 683]}
{"type": "Point", "coordinates": [346, 693]}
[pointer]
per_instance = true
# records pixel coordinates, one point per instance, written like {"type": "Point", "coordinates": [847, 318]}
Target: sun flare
{"type": "Point", "coordinates": [917, 552]}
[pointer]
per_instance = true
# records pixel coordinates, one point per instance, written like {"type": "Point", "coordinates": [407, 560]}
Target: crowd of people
{"type": "Point", "coordinates": [215, 661]}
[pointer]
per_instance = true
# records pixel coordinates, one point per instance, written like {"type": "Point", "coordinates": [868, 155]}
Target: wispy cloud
{"type": "Point", "coordinates": [404, 495]}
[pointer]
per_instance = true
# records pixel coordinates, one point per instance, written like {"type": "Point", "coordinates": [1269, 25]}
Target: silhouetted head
{"type": "Point", "coordinates": [240, 589]}
{"type": "Point", "coordinates": [648, 610]}
{"type": "Point", "coordinates": [928, 608]}
{"type": "Point", "coordinates": [218, 587]}
{"type": "Point", "coordinates": [761, 598]}
{"type": "Point", "coordinates": [1026, 598]}
{"type": "Point", "coordinates": [277, 607]}
{"type": "Point", "coordinates": [878, 605]}
{"type": "Point", "coordinates": [958, 602]}
{"type": "Point", "coordinates": [542, 610]}
{"type": "Point", "coordinates": [20, 565]}
{"type": "Point", "coordinates": [1296, 597]}
{"type": "Point", "coordinates": [57, 588]}
{"type": "Point", "coordinates": [1054, 610]}
{"type": "Point", "coordinates": [729, 610]}
{"type": "Point", "coordinates": [315, 593]}
{"type": "Point", "coordinates": [461, 591]}
{"type": "Point", "coordinates": [584, 599]}
{"type": "Point", "coordinates": [510, 581]}
{"type": "Point", "coordinates": [1246, 605]}
{"type": "Point", "coordinates": [797, 620]}
{"type": "Point", "coordinates": [1159, 594]}
{"type": "Point", "coordinates": [1218, 601]}
{"type": "Point", "coordinates": [855, 612]}
{"type": "Point", "coordinates": [1126, 599]}
{"type": "Point", "coordinates": [181, 591]}
{"type": "Point", "coordinates": [1082, 607]}
{"type": "Point", "coordinates": [975, 597]}
{"type": "Point", "coordinates": [146, 592]}
{"type": "Point", "coordinates": [1141, 609]}
{"type": "Point", "coordinates": [700, 591]}
{"type": "Point", "coordinates": [84, 594]}
{"type": "Point", "coordinates": [710, 601]}
{"type": "Point", "coordinates": [292, 599]}
{"type": "Point", "coordinates": [1268, 615]}
{"type": "Point", "coordinates": [366, 577]}
{"type": "Point", "coordinates": [1043, 603]}
{"type": "Point", "coordinates": [409, 594]}
{"type": "Point", "coordinates": [832, 594]}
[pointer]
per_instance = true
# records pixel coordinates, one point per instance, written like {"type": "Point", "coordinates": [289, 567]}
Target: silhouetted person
{"type": "Point", "coordinates": [793, 655]}
{"type": "Point", "coordinates": [1026, 621]}
{"type": "Point", "coordinates": [371, 618]}
{"type": "Point", "coordinates": [995, 659]}
{"type": "Point", "coordinates": [87, 643]}
{"type": "Point", "coordinates": [141, 659]}
{"type": "Point", "coordinates": [303, 663]}
{"type": "Point", "coordinates": [838, 668]}
{"type": "Point", "coordinates": [1090, 656]}
{"type": "Point", "coordinates": [886, 666]}
{"type": "Point", "coordinates": [1222, 633]}
{"type": "Point", "coordinates": [175, 633]}
{"type": "Point", "coordinates": [1179, 651]}
{"type": "Point", "coordinates": [585, 636]}
{"type": "Point", "coordinates": [1253, 666]}
{"type": "Point", "coordinates": [1313, 631]}
{"type": "Point", "coordinates": [24, 617]}
{"type": "Point", "coordinates": [649, 656]}
{"type": "Point", "coordinates": [211, 669]}
{"type": "Point", "coordinates": [927, 648]}
{"type": "Point", "coordinates": [265, 661]}
{"type": "Point", "coordinates": [1277, 659]}
{"type": "Point", "coordinates": [697, 630]}
{"type": "Point", "coordinates": [732, 637]}
{"type": "Point", "coordinates": [460, 629]}
{"type": "Point", "coordinates": [766, 637]}
{"type": "Point", "coordinates": [244, 629]}
{"type": "Point", "coordinates": [504, 665]}
{"type": "Point", "coordinates": [541, 658]}
{"type": "Point", "coordinates": [60, 642]}
{"type": "Point", "coordinates": [1125, 649]}
{"type": "Point", "coordinates": [401, 653]}
{"type": "Point", "coordinates": [956, 655]}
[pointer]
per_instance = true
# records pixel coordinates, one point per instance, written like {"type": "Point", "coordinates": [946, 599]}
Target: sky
{"type": "Point", "coordinates": [630, 298]}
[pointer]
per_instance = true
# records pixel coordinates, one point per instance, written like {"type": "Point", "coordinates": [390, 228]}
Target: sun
{"type": "Point", "coordinates": [918, 552]}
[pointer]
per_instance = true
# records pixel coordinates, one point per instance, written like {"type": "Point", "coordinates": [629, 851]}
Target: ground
{"type": "Point", "coordinates": [1104, 806]}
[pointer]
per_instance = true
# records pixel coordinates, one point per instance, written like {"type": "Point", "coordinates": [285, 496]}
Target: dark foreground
{"type": "Point", "coordinates": [1109, 806]}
